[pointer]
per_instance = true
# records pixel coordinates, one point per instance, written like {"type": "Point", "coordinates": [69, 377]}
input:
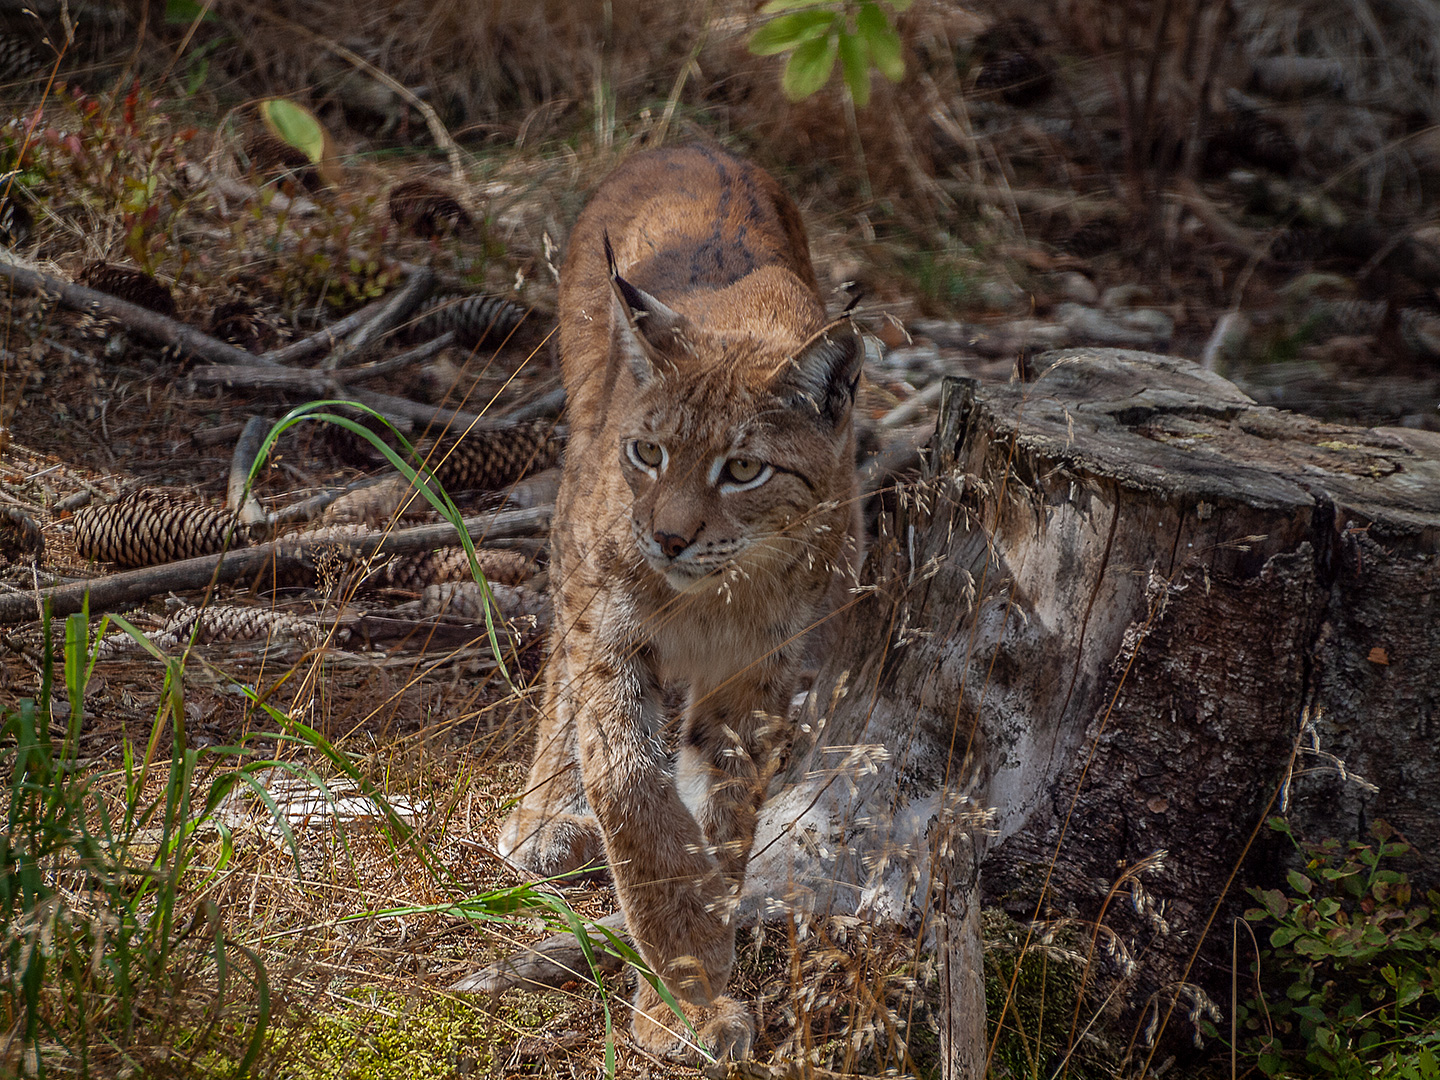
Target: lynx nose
{"type": "Point", "coordinates": [672, 544]}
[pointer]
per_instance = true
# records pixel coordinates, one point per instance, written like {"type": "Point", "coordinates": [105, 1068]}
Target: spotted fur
{"type": "Point", "coordinates": [706, 521]}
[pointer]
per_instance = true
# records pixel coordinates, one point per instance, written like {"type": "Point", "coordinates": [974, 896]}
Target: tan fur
{"type": "Point", "coordinates": [710, 343]}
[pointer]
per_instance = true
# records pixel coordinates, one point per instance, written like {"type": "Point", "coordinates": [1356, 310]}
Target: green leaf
{"type": "Point", "coordinates": [884, 43]}
{"type": "Point", "coordinates": [855, 66]}
{"type": "Point", "coordinates": [809, 68]}
{"type": "Point", "coordinates": [1275, 903]}
{"type": "Point", "coordinates": [295, 125]}
{"type": "Point", "coordinates": [1283, 936]}
{"type": "Point", "coordinates": [791, 31]}
{"type": "Point", "coordinates": [181, 12]}
{"type": "Point", "coordinates": [1299, 882]}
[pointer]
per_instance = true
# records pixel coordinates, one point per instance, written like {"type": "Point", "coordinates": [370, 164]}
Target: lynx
{"type": "Point", "coordinates": [706, 521]}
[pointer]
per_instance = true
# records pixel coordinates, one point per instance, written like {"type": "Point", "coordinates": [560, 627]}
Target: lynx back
{"type": "Point", "coordinates": [706, 521]}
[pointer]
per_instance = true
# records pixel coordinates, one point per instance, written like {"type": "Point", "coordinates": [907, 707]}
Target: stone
{"type": "Point", "coordinates": [1076, 287]}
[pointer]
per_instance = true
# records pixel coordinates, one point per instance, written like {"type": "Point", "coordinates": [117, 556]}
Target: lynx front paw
{"type": "Point", "coordinates": [724, 1028]}
{"type": "Point", "coordinates": [549, 846]}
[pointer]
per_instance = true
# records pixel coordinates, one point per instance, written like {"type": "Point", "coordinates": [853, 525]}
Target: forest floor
{"type": "Point", "coordinates": [356, 920]}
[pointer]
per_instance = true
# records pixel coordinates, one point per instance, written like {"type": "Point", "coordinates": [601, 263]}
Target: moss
{"type": "Point", "coordinates": [1035, 1030]}
{"type": "Point", "coordinates": [383, 1035]}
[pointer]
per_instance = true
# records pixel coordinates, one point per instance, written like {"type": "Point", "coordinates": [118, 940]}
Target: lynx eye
{"type": "Point", "coordinates": [742, 470]}
{"type": "Point", "coordinates": [739, 474]}
{"type": "Point", "coordinates": [647, 455]}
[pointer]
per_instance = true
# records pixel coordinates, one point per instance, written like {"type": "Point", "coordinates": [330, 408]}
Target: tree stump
{"type": "Point", "coordinates": [1131, 612]}
{"type": "Point", "coordinates": [1125, 612]}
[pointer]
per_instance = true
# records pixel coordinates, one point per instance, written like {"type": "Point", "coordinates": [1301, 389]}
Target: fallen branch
{"type": "Point", "coordinates": [247, 448]}
{"type": "Point", "coordinates": [396, 309]}
{"type": "Point", "coordinates": [150, 324]}
{"type": "Point", "coordinates": [280, 555]}
{"type": "Point", "coordinates": [253, 377]}
{"type": "Point", "coordinates": [313, 380]}
{"type": "Point", "coordinates": [432, 416]}
{"type": "Point", "coordinates": [1244, 240]}
{"type": "Point", "coordinates": [549, 963]}
{"type": "Point", "coordinates": [400, 360]}
{"type": "Point", "coordinates": [311, 508]}
{"type": "Point", "coordinates": [324, 339]}
{"type": "Point", "coordinates": [1044, 202]}
{"type": "Point", "coordinates": [548, 404]}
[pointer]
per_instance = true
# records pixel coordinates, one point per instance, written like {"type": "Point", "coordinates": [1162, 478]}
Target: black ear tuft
{"type": "Point", "coordinates": [645, 329]}
{"type": "Point", "coordinates": [825, 372]}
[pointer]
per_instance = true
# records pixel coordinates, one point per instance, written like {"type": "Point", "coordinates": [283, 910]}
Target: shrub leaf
{"type": "Point", "coordinates": [855, 66]}
{"type": "Point", "coordinates": [884, 42]}
{"type": "Point", "coordinates": [809, 68]}
{"type": "Point", "coordinates": [791, 32]}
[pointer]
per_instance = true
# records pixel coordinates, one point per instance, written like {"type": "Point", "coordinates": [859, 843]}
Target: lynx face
{"type": "Point", "coordinates": [711, 493]}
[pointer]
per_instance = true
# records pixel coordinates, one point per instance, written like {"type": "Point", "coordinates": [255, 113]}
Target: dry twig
{"type": "Point", "coordinates": [278, 556]}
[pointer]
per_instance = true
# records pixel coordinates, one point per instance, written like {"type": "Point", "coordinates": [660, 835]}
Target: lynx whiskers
{"type": "Point", "coordinates": [706, 521]}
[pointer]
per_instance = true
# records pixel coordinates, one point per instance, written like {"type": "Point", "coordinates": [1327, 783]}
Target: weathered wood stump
{"type": "Point", "coordinates": [1120, 610]}
{"type": "Point", "coordinates": [1129, 612]}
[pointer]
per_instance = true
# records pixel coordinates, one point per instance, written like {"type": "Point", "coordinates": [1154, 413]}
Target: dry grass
{"type": "Point", "coordinates": [546, 98]}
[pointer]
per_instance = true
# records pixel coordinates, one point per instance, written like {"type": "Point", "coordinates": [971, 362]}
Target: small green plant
{"type": "Point", "coordinates": [113, 158]}
{"type": "Point", "coordinates": [104, 938]}
{"type": "Point", "coordinates": [415, 471]}
{"type": "Point", "coordinates": [943, 276]}
{"type": "Point", "coordinates": [1350, 983]}
{"type": "Point", "coordinates": [377, 1034]}
{"type": "Point", "coordinates": [816, 32]}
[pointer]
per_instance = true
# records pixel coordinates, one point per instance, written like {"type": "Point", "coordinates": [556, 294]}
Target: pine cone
{"type": "Point", "coordinates": [127, 283]}
{"type": "Point", "coordinates": [475, 319]}
{"type": "Point", "coordinates": [15, 220]}
{"type": "Point", "coordinates": [1245, 137]}
{"type": "Point", "coordinates": [426, 209]}
{"type": "Point", "coordinates": [1261, 141]}
{"type": "Point", "coordinates": [1332, 318]}
{"type": "Point", "coordinates": [20, 537]}
{"type": "Point", "coordinates": [415, 572]}
{"type": "Point", "coordinates": [206, 626]}
{"type": "Point", "coordinates": [491, 458]}
{"type": "Point", "coordinates": [272, 157]}
{"type": "Point", "coordinates": [466, 600]}
{"type": "Point", "coordinates": [244, 324]}
{"type": "Point", "coordinates": [1303, 244]}
{"type": "Point", "coordinates": [19, 61]}
{"type": "Point", "coordinates": [153, 526]}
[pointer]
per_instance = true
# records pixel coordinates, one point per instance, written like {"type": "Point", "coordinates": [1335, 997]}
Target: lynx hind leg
{"type": "Point", "coordinates": [723, 1029]}
{"type": "Point", "coordinates": [553, 830]}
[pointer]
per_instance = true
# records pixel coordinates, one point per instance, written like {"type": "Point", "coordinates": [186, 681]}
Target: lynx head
{"type": "Point", "coordinates": [738, 452]}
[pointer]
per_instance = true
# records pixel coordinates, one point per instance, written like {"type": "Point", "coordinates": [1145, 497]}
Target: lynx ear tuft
{"type": "Point", "coordinates": [825, 372]}
{"type": "Point", "coordinates": [645, 329]}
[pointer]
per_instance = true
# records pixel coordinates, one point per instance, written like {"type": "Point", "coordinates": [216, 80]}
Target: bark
{"type": "Point", "coordinates": [1107, 614]}
{"type": "Point", "coordinates": [1107, 623]}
